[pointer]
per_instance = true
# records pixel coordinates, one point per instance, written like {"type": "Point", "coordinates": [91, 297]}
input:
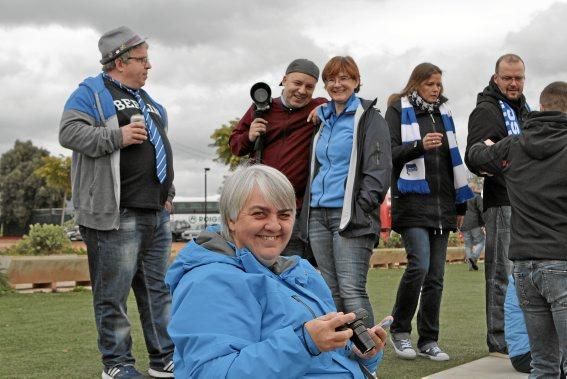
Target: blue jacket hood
{"type": "Point", "coordinates": [210, 247]}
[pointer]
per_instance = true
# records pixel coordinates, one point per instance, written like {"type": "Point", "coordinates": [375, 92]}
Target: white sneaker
{"type": "Point", "coordinates": [402, 346]}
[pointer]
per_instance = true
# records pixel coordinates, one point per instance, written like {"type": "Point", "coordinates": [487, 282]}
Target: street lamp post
{"type": "Point", "coordinates": [206, 170]}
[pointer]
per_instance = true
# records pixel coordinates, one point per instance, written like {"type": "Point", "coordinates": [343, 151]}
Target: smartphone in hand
{"type": "Point", "coordinates": [385, 324]}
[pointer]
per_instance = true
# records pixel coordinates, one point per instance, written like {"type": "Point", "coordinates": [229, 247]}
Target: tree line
{"type": "Point", "coordinates": [31, 178]}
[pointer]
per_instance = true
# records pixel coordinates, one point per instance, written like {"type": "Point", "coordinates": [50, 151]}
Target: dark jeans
{"type": "Point", "coordinates": [133, 256]}
{"type": "Point", "coordinates": [497, 268]}
{"type": "Point", "coordinates": [343, 262]}
{"type": "Point", "coordinates": [426, 251]}
{"type": "Point", "coordinates": [542, 293]}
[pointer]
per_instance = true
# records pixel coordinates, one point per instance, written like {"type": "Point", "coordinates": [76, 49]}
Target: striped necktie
{"type": "Point", "coordinates": [155, 137]}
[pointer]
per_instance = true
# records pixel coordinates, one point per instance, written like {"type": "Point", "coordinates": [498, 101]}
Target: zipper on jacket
{"type": "Point", "coordinates": [299, 300]}
{"type": "Point", "coordinates": [434, 124]}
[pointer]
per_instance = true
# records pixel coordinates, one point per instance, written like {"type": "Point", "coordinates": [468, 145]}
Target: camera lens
{"type": "Point", "coordinates": [261, 95]}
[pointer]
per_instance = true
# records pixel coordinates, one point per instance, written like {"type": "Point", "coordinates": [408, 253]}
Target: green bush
{"type": "Point", "coordinates": [455, 240]}
{"type": "Point", "coordinates": [395, 241]}
{"type": "Point", "coordinates": [4, 284]}
{"type": "Point", "coordinates": [43, 239]}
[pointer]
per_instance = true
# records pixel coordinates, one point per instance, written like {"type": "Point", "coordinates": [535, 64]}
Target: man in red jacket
{"type": "Point", "coordinates": [287, 134]}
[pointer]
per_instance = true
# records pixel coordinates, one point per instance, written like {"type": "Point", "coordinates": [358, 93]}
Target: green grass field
{"type": "Point", "coordinates": [53, 335]}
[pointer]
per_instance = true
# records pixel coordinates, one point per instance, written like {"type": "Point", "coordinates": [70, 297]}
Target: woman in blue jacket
{"type": "Point", "coordinates": [240, 310]}
{"type": "Point", "coordinates": [350, 175]}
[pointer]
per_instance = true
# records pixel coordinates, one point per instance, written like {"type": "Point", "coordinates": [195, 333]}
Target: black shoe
{"type": "Point", "coordinates": [472, 263]}
{"type": "Point", "coordinates": [121, 372]}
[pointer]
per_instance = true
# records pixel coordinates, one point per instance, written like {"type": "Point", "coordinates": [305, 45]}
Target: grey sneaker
{"type": "Point", "coordinates": [402, 345]}
{"type": "Point", "coordinates": [433, 352]}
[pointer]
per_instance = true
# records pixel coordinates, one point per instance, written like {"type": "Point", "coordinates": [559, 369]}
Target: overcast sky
{"type": "Point", "coordinates": [207, 54]}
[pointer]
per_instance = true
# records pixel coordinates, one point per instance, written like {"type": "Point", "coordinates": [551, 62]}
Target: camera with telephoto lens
{"type": "Point", "coordinates": [360, 336]}
{"type": "Point", "coordinates": [261, 95]}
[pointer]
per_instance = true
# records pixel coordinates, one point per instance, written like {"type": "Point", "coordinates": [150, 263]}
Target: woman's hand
{"type": "Point", "coordinates": [379, 336]}
{"type": "Point", "coordinates": [432, 141]}
{"type": "Point", "coordinates": [323, 330]}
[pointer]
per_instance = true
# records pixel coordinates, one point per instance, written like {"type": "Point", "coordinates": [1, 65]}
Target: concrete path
{"type": "Point", "coordinates": [490, 367]}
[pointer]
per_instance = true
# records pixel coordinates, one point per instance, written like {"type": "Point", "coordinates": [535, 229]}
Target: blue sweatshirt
{"type": "Point", "coordinates": [333, 152]}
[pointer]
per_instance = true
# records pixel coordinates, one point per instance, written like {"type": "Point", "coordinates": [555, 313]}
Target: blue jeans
{"type": "Point", "coordinates": [426, 251]}
{"type": "Point", "coordinates": [497, 268]}
{"type": "Point", "coordinates": [136, 256]}
{"type": "Point", "coordinates": [542, 293]}
{"type": "Point", "coordinates": [474, 243]}
{"type": "Point", "coordinates": [343, 262]}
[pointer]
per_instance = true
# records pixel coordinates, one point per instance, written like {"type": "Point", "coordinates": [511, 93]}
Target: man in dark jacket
{"type": "Point", "coordinates": [539, 223]}
{"type": "Point", "coordinates": [287, 135]}
{"type": "Point", "coordinates": [500, 110]}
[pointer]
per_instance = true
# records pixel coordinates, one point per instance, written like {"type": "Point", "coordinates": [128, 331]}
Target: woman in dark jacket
{"type": "Point", "coordinates": [350, 175]}
{"type": "Point", "coordinates": [429, 193]}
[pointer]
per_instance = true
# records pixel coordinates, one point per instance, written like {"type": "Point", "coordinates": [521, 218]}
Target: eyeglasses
{"type": "Point", "coordinates": [509, 79]}
{"type": "Point", "coordinates": [142, 60]}
{"type": "Point", "coordinates": [338, 79]}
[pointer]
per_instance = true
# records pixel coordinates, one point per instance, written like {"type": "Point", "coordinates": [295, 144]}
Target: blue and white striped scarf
{"type": "Point", "coordinates": [412, 178]}
{"type": "Point", "coordinates": [510, 119]}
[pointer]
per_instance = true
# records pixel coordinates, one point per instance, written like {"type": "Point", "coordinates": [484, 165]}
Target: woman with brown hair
{"type": "Point", "coordinates": [349, 177]}
{"type": "Point", "coordinates": [429, 194]}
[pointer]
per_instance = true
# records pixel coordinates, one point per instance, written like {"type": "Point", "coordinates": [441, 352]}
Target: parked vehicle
{"type": "Point", "coordinates": [188, 235]}
{"type": "Point", "coordinates": [178, 227]}
{"type": "Point", "coordinates": [196, 212]}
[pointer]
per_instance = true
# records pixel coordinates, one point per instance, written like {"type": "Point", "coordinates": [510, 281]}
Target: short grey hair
{"type": "Point", "coordinates": [272, 184]}
{"type": "Point", "coordinates": [107, 67]}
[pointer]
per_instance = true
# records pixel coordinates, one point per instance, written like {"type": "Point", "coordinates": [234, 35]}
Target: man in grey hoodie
{"type": "Point", "coordinates": [122, 176]}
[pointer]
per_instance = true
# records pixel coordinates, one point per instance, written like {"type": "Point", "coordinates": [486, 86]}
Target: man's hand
{"type": "Point", "coordinates": [168, 206]}
{"type": "Point", "coordinates": [322, 330]}
{"type": "Point", "coordinates": [313, 115]}
{"type": "Point", "coordinates": [257, 128]}
{"type": "Point", "coordinates": [134, 133]}
{"type": "Point", "coordinates": [432, 141]}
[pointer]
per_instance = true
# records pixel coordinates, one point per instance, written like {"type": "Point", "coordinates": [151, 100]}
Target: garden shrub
{"type": "Point", "coordinates": [43, 239]}
{"type": "Point", "coordinates": [395, 241]}
{"type": "Point", "coordinates": [4, 284]}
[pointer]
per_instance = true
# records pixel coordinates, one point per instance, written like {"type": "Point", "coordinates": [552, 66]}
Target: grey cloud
{"type": "Point", "coordinates": [542, 43]}
{"type": "Point", "coordinates": [171, 22]}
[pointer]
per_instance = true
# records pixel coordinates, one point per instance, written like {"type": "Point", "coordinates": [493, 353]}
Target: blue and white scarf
{"type": "Point", "coordinates": [510, 119]}
{"type": "Point", "coordinates": [412, 178]}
